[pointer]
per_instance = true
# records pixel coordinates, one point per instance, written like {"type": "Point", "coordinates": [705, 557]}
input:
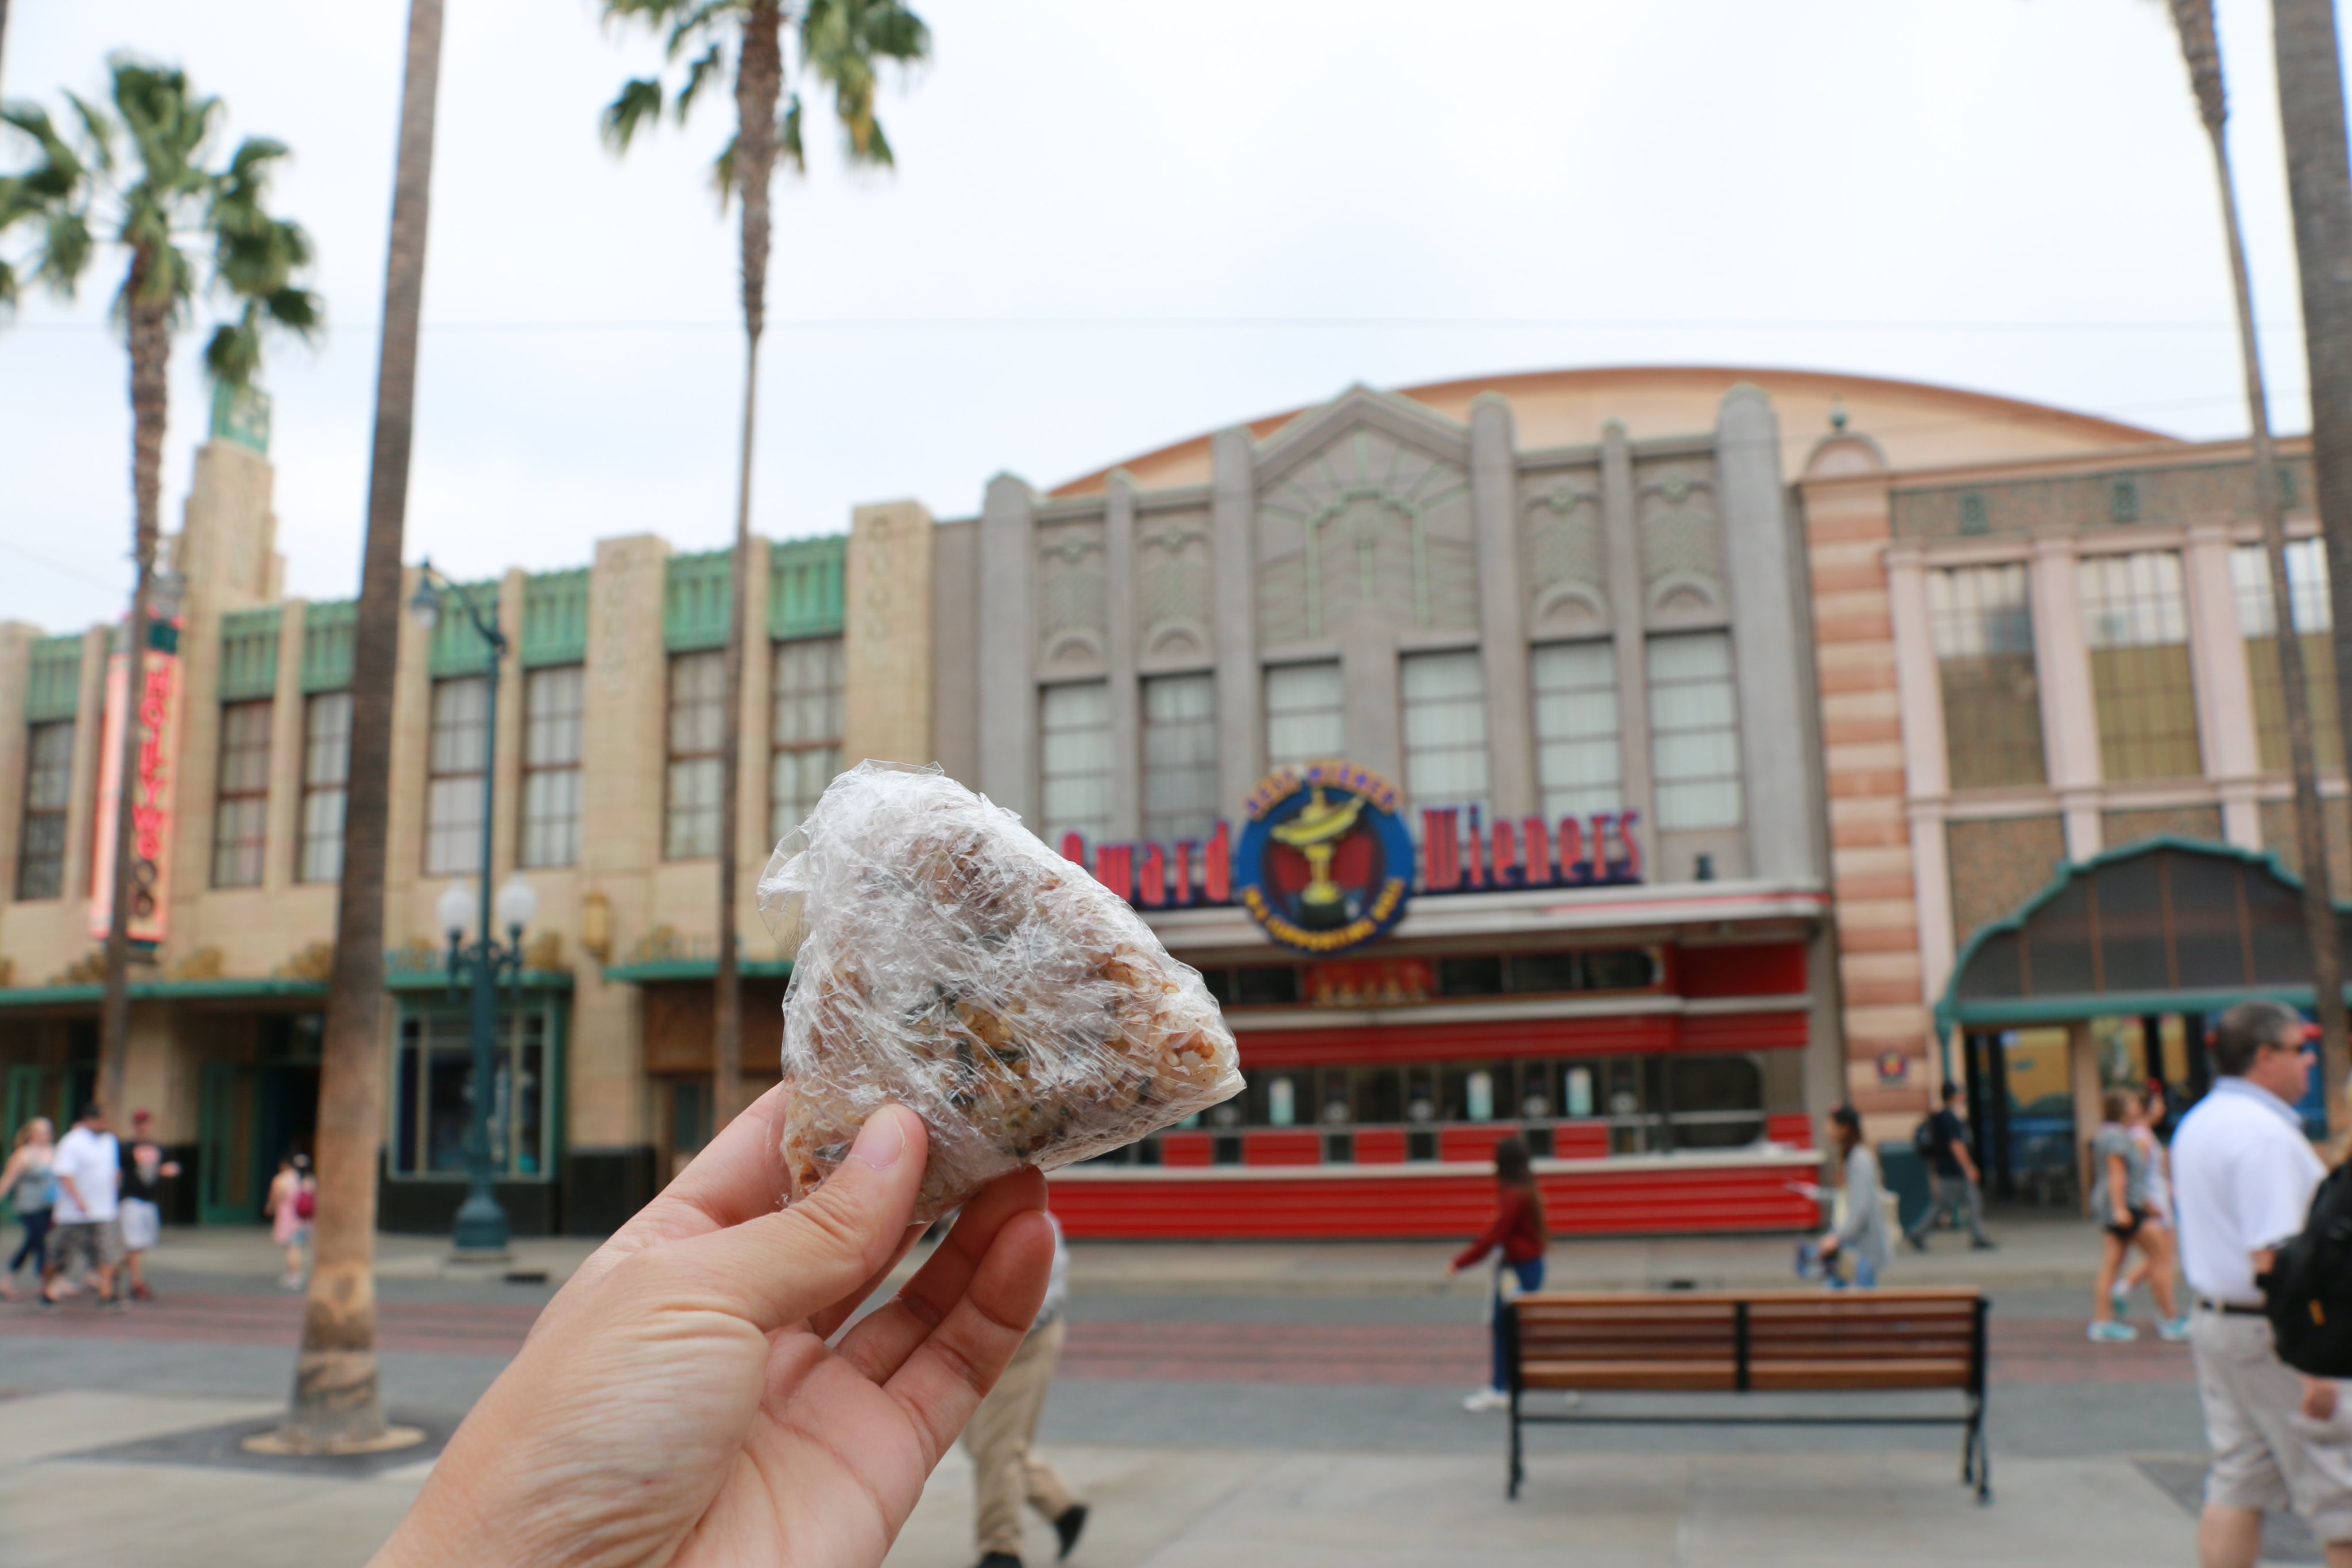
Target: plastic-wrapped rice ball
{"type": "Point", "coordinates": [952, 962]}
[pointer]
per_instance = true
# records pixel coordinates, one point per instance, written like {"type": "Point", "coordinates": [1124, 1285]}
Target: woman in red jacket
{"type": "Point", "coordinates": [1517, 1236]}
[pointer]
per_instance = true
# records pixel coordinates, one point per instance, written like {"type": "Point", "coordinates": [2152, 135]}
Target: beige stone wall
{"type": "Point", "coordinates": [1999, 862]}
{"type": "Point", "coordinates": [887, 634]}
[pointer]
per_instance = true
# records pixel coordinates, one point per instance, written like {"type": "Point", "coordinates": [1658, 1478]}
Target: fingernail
{"type": "Point", "coordinates": [880, 1142]}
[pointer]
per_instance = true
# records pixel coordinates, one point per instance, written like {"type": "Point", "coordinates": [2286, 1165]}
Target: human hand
{"type": "Point", "coordinates": [677, 1402]}
{"type": "Point", "coordinates": [2318, 1399]}
{"type": "Point", "coordinates": [1829, 1245]}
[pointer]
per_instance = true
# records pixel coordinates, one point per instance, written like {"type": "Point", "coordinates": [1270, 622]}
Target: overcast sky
{"type": "Point", "coordinates": [1115, 226]}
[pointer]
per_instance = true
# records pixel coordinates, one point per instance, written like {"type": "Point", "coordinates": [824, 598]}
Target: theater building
{"type": "Point", "coordinates": [1579, 664]}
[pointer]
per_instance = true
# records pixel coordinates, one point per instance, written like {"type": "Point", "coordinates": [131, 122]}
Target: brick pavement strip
{"type": "Point", "coordinates": [2026, 1350]}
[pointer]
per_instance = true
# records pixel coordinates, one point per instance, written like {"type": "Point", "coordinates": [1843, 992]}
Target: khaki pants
{"type": "Point", "coordinates": [1003, 1471]}
{"type": "Point", "coordinates": [2266, 1453]}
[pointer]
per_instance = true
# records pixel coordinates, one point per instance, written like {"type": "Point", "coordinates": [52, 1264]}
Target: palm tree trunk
{"type": "Point", "coordinates": [2194, 19]}
{"type": "Point", "coordinates": [759, 84]}
{"type": "Point", "coordinates": [4, 36]}
{"type": "Point", "coordinates": [2319, 191]}
{"type": "Point", "coordinates": [336, 1402]}
{"type": "Point", "coordinates": [149, 337]}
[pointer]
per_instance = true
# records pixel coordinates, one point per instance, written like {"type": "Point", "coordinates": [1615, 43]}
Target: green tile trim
{"type": "Point", "coordinates": [53, 680]}
{"type": "Point", "coordinates": [329, 636]}
{"type": "Point", "coordinates": [457, 649]}
{"type": "Point", "coordinates": [804, 586]}
{"type": "Point", "coordinates": [248, 655]}
{"type": "Point", "coordinates": [697, 969]}
{"type": "Point", "coordinates": [555, 618]}
{"type": "Point", "coordinates": [162, 991]}
{"type": "Point", "coordinates": [698, 601]}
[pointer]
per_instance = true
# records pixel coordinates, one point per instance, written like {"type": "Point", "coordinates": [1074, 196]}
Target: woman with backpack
{"type": "Point", "coordinates": [293, 1202]}
{"type": "Point", "coordinates": [1517, 1237]}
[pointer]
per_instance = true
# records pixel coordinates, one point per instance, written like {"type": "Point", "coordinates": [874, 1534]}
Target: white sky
{"type": "Point", "coordinates": [1115, 226]}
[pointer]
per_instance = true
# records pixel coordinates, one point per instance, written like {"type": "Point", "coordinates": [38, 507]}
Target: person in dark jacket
{"type": "Point", "coordinates": [1517, 1238]}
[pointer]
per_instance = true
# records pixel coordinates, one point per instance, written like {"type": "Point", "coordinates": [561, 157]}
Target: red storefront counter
{"type": "Point", "coordinates": [1753, 1190]}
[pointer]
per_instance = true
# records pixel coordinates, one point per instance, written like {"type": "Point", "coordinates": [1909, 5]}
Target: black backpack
{"type": "Point", "coordinates": [2307, 1294]}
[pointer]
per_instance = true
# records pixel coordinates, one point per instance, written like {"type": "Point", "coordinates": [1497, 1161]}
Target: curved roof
{"type": "Point", "coordinates": [2166, 925]}
{"type": "Point", "coordinates": [1916, 425]}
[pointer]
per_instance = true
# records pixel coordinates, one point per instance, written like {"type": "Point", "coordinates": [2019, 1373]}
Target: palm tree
{"type": "Point", "coordinates": [2319, 191]}
{"type": "Point", "coordinates": [842, 44]}
{"type": "Point", "coordinates": [2193, 20]}
{"type": "Point", "coordinates": [337, 1404]}
{"type": "Point", "coordinates": [153, 205]}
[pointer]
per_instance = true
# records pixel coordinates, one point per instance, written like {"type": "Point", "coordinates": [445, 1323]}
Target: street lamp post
{"type": "Point", "coordinates": [481, 1232]}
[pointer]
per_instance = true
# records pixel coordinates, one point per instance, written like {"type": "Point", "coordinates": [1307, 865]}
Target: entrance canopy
{"type": "Point", "coordinates": [2164, 926]}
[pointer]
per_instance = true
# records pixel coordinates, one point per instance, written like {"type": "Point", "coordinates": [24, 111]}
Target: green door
{"type": "Point", "coordinates": [227, 1190]}
{"type": "Point", "coordinates": [30, 1095]}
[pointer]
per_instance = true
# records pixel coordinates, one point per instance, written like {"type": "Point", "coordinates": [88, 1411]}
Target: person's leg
{"type": "Point", "coordinates": [2111, 1258]}
{"type": "Point", "coordinates": [2229, 1537]}
{"type": "Point", "coordinates": [2155, 1247]}
{"type": "Point", "coordinates": [1865, 1274]}
{"type": "Point", "coordinates": [1498, 1375]}
{"type": "Point", "coordinates": [1972, 1206]}
{"type": "Point", "coordinates": [1047, 1492]}
{"type": "Point", "coordinates": [995, 1437]}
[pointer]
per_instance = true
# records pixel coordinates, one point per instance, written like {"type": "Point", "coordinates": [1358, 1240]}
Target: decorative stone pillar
{"type": "Point", "coordinates": [887, 634]}
{"type": "Point", "coordinates": [1118, 658]}
{"type": "Point", "coordinates": [1628, 617]}
{"type": "Point", "coordinates": [1241, 686]}
{"type": "Point", "coordinates": [283, 828]}
{"type": "Point", "coordinates": [16, 639]}
{"type": "Point", "coordinates": [1777, 733]}
{"type": "Point", "coordinates": [90, 723]}
{"type": "Point", "coordinates": [1368, 669]}
{"type": "Point", "coordinates": [2223, 684]}
{"type": "Point", "coordinates": [2070, 709]}
{"type": "Point", "coordinates": [506, 788]}
{"type": "Point", "coordinates": [1927, 765]}
{"type": "Point", "coordinates": [1503, 638]}
{"type": "Point", "coordinates": [1008, 646]}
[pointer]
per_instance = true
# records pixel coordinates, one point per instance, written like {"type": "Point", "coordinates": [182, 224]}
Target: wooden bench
{"type": "Point", "coordinates": [1759, 1342]}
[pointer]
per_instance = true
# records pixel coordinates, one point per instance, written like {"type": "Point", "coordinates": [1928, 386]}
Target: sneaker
{"type": "Point", "coordinates": [2174, 1331]}
{"type": "Point", "coordinates": [1918, 1242]}
{"type": "Point", "coordinates": [999, 1560]}
{"type": "Point", "coordinates": [142, 1293]}
{"type": "Point", "coordinates": [1984, 1244]}
{"type": "Point", "coordinates": [2113, 1334]}
{"type": "Point", "coordinates": [2121, 1299]}
{"type": "Point", "coordinates": [1487, 1399]}
{"type": "Point", "coordinates": [1073, 1520]}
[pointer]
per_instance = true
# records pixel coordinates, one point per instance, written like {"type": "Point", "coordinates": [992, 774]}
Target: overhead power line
{"type": "Point", "coordinates": [1266, 323]}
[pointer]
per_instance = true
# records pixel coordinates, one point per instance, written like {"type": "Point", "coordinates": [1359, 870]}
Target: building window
{"type": "Point", "coordinates": [1694, 731]}
{"type": "Point", "coordinates": [433, 1094]}
{"type": "Point", "coordinates": [1982, 621]}
{"type": "Point", "coordinates": [1074, 743]}
{"type": "Point", "coordinates": [453, 775]}
{"type": "Point", "coordinates": [2135, 620]}
{"type": "Point", "coordinates": [553, 702]}
{"type": "Point", "coordinates": [241, 802]}
{"type": "Point", "coordinates": [698, 728]}
{"type": "Point", "coordinates": [1306, 714]}
{"type": "Point", "coordinates": [1444, 723]}
{"type": "Point", "coordinates": [804, 729]}
{"type": "Point", "coordinates": [1179, 757]}
{"type": "Point", "coordinates": [326, 775]}
{"type": "Point", "coordinates": [2306, 579]}
{"type": "Point", "coordinates": [48, 786]}
{"type": "Point", "coordinates": [1578, 765]}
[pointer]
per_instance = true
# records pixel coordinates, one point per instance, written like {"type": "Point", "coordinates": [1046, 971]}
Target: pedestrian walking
{"type": "Point", "coordinates": [31, 1190]}
{"type": "Point", "coordinates": [144, 1171]}
{"type": "Point", "coordinates": [1002, 1437]}
{"type": "Point", "coordinates": [88, 1168]}
{"type": "Point", "coordinates": [2144, 1268]}
{"type": "Point", "coordinates": [1861, 1235]}
{"type": "Point", "coordinates": [2120, 1203]}
{"type": "Point", "coordinates": [292, 1201]}
{"type": "Point", "coordinates": [2244, 1173]}
{"type": "Point", "coordinates": [1517, 1238]}
{"type": "Point", "coordinates": [1956, 1189]}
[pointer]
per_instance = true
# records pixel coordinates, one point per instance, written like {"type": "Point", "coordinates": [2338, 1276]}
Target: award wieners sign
{"type": "Point", "coordinates": [152, 817]}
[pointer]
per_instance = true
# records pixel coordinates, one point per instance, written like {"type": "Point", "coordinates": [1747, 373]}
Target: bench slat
{"type": "Point", "coordinates": [1685, 1376]}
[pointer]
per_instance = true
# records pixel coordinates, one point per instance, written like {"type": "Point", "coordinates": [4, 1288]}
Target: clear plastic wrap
{"type": "Point", "coordinates": [950, 961]}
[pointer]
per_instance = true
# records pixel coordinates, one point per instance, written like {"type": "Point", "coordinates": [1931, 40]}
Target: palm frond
{"type": "Point", "coordinates": [713, 62]}
{"type": "Point", "coordinates": [639, 104]}
{"type": "Point", "coordinates": [233, 352]}
{"type": "Point", "coordinates": [98, 132]}
{"type": "Point", "coordinates": [722, 171]}
{"type": "Point", "coordinates": [10, 290]}
{"type": "Point", "coordinates": [692, 20]}
{"type": "Point", "coordinates": [842, 44]}
{"type": "Point", "coordinates": [789, 150]}
{"type": "Point", "coordinates": [65, 247]}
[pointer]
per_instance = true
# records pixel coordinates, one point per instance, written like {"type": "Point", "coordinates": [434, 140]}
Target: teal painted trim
{"type": "Point", "coordinates": [697, 969]}
{"type": "Point", "coordinates": [241, 416]}
{"type": "Point", "coordinates": [165, 990]}
{"type": "Point", "coordinates": [2030, 1011]}
{"type": "Point", "coordinates": [330, 634]}
{"type": "Point", "coordinates": [805, 586]}
{"type": "Point", "coordinates": [53, 680]}
{"type": "Point", "coordinates": [698, 601]}
{"type": "Point", "coordinates": [555, 618]}
{"type": "Point", "coordinates": [248, 655]}
{"type": "Point", "coordinates": [1950, 1010]}
{"type": "Point", "coordinates": [457, 649]}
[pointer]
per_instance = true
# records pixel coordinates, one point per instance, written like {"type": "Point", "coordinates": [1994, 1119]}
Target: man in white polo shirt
{"type": "Point", "coordinates": [88, 1168]}
{"type": "Point", "coordinates": [2243, 1177]}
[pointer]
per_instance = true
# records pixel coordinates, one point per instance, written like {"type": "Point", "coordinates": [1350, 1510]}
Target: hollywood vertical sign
{"type": "Point", "coordinates": [1459, 854]}
{"type": "Point", "coordinates": [152, 791]}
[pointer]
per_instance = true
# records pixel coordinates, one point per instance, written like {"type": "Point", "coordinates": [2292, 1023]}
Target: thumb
{"type": "Point", "coordinates": [779, 1267]}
